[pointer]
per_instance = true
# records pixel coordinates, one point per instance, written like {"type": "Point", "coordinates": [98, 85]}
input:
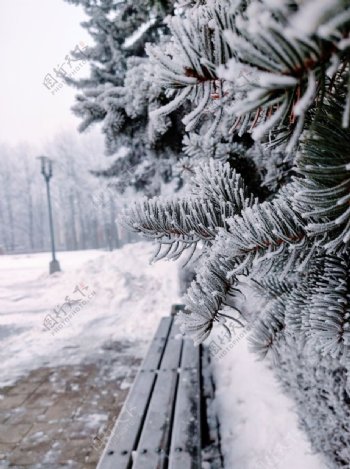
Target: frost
{"type": "Point", "coordinates": [308, 96]}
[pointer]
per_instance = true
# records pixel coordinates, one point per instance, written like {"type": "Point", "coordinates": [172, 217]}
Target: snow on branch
{"type": "Point", "coordinates": [217, 193]}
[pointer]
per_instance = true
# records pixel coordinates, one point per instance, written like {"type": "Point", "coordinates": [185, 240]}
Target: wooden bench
{"type": "Point", "coordinates": [159, 426]}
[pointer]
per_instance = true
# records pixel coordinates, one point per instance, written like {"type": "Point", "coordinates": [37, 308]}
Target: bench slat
{"type": "Point", "coordinates": [154, 355]}
{"type": "Point", "coordinates": [155, 351]}
{"type": "Point", "coordinates": [154, 442]}
{"type": "Point", "coordinates": [171, 357]}
{"type": "Point", "coordinates": [175, 329]}
{"type": "Point", "coordinates": [163, 328]}
{"type": "Point", "coordinates": [127, 428]}
{"type": "Point", "coordinates": [190, 355]}
{"type": "Point", "coordinates": [185, 452]}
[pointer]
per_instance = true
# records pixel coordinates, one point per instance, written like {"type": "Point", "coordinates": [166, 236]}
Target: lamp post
{"type": "Point", "coordinates": [46, 171]}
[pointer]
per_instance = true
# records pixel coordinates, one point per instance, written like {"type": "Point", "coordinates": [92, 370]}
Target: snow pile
{"type": "Point", "coordinates": [66, 317]}
{"type": "Point", "coordinates": [259, 427]}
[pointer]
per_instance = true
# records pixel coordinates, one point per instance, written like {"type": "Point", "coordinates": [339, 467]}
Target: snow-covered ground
{"type": "Point", "coordinates": [124, 299]}
{"type": "Point", "coordinates": [66, 317]}
{"type": "Point", "coordinates": [259, 428]}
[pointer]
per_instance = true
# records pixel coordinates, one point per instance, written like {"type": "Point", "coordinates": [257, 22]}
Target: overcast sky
{"type": "Point", "coordinates": [35, 38]}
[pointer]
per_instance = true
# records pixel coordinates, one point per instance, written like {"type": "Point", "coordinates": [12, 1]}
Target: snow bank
{"type": "Point", "coordinates": [115, 296]}
{"type": "Point", "coordinates": [259, 427]}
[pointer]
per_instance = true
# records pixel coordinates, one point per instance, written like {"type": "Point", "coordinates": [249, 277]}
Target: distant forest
{"type": "Point", "coordinates": [85, 209]}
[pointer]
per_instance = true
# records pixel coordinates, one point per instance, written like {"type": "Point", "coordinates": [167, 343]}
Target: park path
{"type": "Point", "coordinates": [60, 417]}
{"type": "Point", "coordinates": [61, 391]}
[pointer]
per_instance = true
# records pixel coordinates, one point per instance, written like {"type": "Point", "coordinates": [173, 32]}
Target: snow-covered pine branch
{"type": "Point", "coordinates": [186, 66]}
{"type": "Point", "coordinates": [329, 310]}
{"type": "Point", "coordinates": [217, 193]}
{"type": "Point", "coordinates": [279, 70]}
{"type": "Point", "coordinates": [254, 60]}
{"type": "Point", "coordinates": [324, 195]}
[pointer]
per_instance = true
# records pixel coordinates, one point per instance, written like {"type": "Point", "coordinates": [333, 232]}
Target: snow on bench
{"type": "Point", "coordinates": [160, 423]}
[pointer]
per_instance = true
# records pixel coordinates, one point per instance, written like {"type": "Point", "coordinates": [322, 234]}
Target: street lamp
{"type": "Point", "coordinates": [46, 171]}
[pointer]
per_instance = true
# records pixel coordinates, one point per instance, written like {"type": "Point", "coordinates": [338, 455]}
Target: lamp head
{"type": "Point", "coordinates": [46, 166]}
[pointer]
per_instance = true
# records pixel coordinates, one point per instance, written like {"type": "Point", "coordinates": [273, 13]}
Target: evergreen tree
{"type": "Point", "coordinates": [119, 96]}
{"type": "Point", "coordinates": [263, 87]}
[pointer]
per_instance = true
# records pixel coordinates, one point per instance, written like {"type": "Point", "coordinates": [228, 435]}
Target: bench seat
{"type": "Point", "coordinates": [159, 426]}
